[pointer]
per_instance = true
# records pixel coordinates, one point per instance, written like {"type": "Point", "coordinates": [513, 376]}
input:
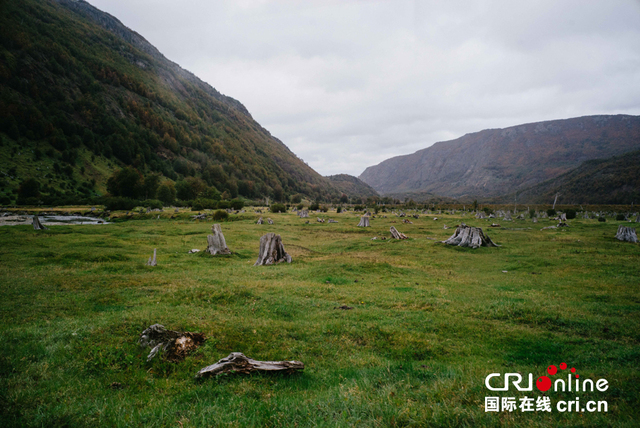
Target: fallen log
{"type": "Point", "coordinates": [332, 220]}
{"type": "Point", "coordinates": [152, 259]}
{"type": "Point", "coordinates": [271, 251]}
{"type": "Point", "coordinates": [237, 362]}
{"type": "Point", "coordinates": [216, 243]}
{"type": "Point", "coordinates": [627, 234]}
{"type": "Point", "coordinates": [466, 236]}
{"type": "Point", "coordinates": [396, 234]}
{"type": "Point", "coordinates": [175, 344]}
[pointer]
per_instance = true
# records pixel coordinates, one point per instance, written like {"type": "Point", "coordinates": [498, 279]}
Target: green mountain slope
{"type": "Point", "coordinates": [614, 180]}
{"type": "Point", "coordinates": [82, 95]}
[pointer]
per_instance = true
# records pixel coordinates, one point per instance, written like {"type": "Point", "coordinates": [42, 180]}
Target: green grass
{"type": "Point", "coordinates": [429, 323]}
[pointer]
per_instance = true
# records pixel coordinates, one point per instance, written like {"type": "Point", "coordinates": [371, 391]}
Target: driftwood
{"type": "Point", "coordinates": [152, 259]}
{"type": "Point", "coordinates": [237, 362]}
{"type": "Point", "coordinates": [396, 234]}
{"type": "Point", "coordinates": [269, 221]}
{"type": "Point", "coordinates": [175, 344]}
{"type": "Point", "coordinates": [626, 234]}
{"type": "Point", "coordinates": [272, 251]}
{"type": "Point", "coordinates": [466, 236]}
{"type": "Point", "coordinates": [260, 221]}
{"type": "Point", "coordinates": [37, 225]}
{"type": "Point", "coordinates": [364, 222]}
{"type": "Point", "coordinates": [216, 243]}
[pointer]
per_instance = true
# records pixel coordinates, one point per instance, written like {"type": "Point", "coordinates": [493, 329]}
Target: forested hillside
{"type": "Point", "coordinates": [82, 96]}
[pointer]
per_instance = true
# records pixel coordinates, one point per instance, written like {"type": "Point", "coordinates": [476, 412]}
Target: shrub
{"type": "Point", "coordinates": [620, 217]}
{"type": "Point", "coordinates": [314, 206]}
{"type": "Point", "coordinates": [323, 208]}
{"type": "Point", "coordinates": [278, 208]}
{"type": "Point", "coordinates": [237, 204]}
{"type": "Point", "coordinates": [602, 219]}
{"type": "Point", "coordinates": [223, 205]}
{"type": "Point", "coordinates": [120, 204]}
{"type": "Point", "coordinates": [571, 214]}
{"type": "Point", "coordinates": [551, 212]}
{"type": "Point", "coordinates": [220, 215]}
{"type": "Point", "coordinates": [532, 213]}
{"type": "Point", "coordinates": [152, 203]}
{"type": "Point", "coordinates": [299, 207]}
{"type": "Point", "coordinates": [204, 204]}
{"type": "Point", "coordinates": [339, 210]}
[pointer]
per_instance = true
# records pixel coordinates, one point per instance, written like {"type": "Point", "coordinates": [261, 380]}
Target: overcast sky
{"type": "Point", "coordinates": [348, 84]}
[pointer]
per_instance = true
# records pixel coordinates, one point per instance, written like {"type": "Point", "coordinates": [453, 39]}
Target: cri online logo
{"type": "Point", "coordinates": [543, 383]}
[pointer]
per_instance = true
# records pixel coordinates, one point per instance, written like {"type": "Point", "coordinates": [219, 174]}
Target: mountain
{"type": "Point", "coordinates": [495, 162]}
{"type": "Point", "coordinates": [612, 181]}
{"type": "Point", "coordinates": [350, 185]}
{"type": "Point", "coordinates": [81, 96]}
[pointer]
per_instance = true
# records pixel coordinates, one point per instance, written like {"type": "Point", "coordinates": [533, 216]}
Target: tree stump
{"type": "Point", "coordinates": [480, 215]}
{"type": "Point", "coordinates": [175, 344]}
{"type": "Point", "coordinates": [269, 221]}
{"type": "Point", "coordinates": [216, 243]}
{"type": "Point", "coordinates": [320, 220]}
{"type": "Point", "coordinates": [466, 236]}
{"type": "Point", "coordinates": [364, 222]}
{"type": "Point", "coordinates": [152, 260]}
{"type": "Point", "coordinates": [237, 362]}
{"type": "Point", "coordinates": [626, 234]}
{"type": "Point", "coordinates": [303, 214]}
{"type": "Point", "coordinates": [260, 221]}
{"type": "Point", "coordinates": [535, 219]}
{"type": "Point", "coordinates": [37, 225]}
{"type": "Point", "coordinates": [396, 234]}
{"type": "Point", "coordinates": [272, 251]}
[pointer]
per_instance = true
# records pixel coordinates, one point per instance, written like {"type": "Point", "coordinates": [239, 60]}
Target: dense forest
{"type": "Point", "coordinates": [82, 98]}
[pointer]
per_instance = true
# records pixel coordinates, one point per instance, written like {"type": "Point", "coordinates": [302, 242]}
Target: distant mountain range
{"type": "Point", "coordinates": [81, 96]}
{"type": "Point", "coordinates": [350, 185]}
{"type": "Point", "coordinates": [610, 181]}
{"type": "Point", "coordinates": [496, 162]}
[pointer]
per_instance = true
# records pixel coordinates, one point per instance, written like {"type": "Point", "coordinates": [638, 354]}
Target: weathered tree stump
{"type": "Point", "coordinates": [626, 234]}
{"type": "Point", "coordinates": [364, 222]}
{"type": "Point", "coordinates": [215, 242]}
{"type": "Point", "coordinates": [320, 220]}
{"type": "Point", "coordinates": [332, 220]}
{"type": "Point", "coordinates": [175, 344]}
{"type": "Point", "coordinates": [466, 236]}
{"type": "Point", "coordinates": [535, 219]}
{"type": "Point", "coordinates": [237, 362]}
{"type": "Point", "coordinates": [480, 215]}
{"type": "Point", "coordinates": [404, 220]}
{"type": "Point", "coordinates": [37, 225]}
{"type": "Point", "coordinates": [269, 221]}
{"type": "Point", "coordinates": [396, 234]}
{"type": "Point", "coordinates": [272, 251]}
{"type": "Point", "coordinates": [303, 213]}
{"type": "Point", "coordinates": [152, 259]}
{"type": "Point", "coordinates": [260, 221]}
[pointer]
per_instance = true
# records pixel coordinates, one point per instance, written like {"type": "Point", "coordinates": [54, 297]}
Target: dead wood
{"type": "Point", "coordinates": [152, 259]}
{"type": "Point", "coordinates": [404, 220]}
{"type": "Point", "coordinates": [364, 222]}
{"type": "Point", "coordinates": [215, 242]}
{"type": "Point", "coordinates": [494, 225]}
{"type": "Point", "coordinates": [37, 225]}
{"type": "Point", "coordinates": [260, 221]}
{"type": "Point", "coordinates": [396, 234]}
{"type": "Point", "coordinates": [269, 221]}
{"type": "Point", "coordinates": [627, 234]}
{"type": "Point", "coordinates": [303, 213]}
{"type": "Point", "coordinates": [332, 220]}
{"type": "Point", "coordinates": [344, 307]}
{"type": "Point", "coordinates": [175, 344]}
{"type": "Point", "coordinates": [272, 251]}
{"type": "Point", "coordinates": [466, 236]}
{"type": "Point", "coordinates": [237, 362]}
{"type": "Point", "coordinates": [320, 220]}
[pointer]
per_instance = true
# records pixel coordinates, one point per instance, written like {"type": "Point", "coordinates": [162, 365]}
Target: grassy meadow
{"type": "Point", "coordinates": [429, 322]}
